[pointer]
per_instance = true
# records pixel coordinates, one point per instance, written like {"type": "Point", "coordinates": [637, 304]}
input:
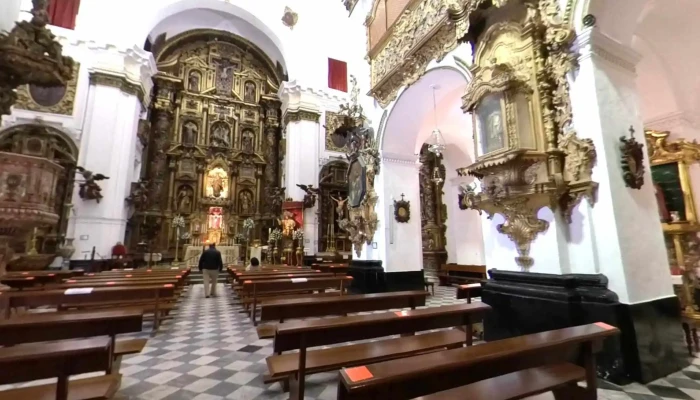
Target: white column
{"type": "Point", "coordinates": [403, 246]}
{"type": "Point", "coordinates": [301, 110]}
{"type": "Point", "coordinates": [620, 236]}
{"type": "Point", "coordinates": [465, 242]}
{"type": "Point", "coordinates": [109, 146]}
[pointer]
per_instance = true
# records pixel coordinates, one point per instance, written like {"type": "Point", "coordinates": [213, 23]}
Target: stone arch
{"type": "Point", "coordinates": [267, 33]}
{"type": "Point", "coordinates": [410, 122]}
{"type": "Point", "coordinates": [63, 142]}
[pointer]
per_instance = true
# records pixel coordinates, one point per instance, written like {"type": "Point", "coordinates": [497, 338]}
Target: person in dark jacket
{"type": "Point", "coordinates": [210, 263]}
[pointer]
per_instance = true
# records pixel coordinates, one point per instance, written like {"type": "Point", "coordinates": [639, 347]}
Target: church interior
{"type": "Point", "coordinates": [349, 199]}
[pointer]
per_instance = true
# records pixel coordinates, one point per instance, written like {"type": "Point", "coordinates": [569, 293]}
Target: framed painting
{"type": "Point", "coordinates": [490, 125]}
{"type": "Point", "coordinates": [357, 183]}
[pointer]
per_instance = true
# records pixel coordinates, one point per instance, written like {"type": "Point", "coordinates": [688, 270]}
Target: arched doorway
{"type": "Point", "coordinates": [437, 231]}
{"type": "Point", "coordinates": [333, 184]}
{"type": "Point", "coordinates": [52, 144]}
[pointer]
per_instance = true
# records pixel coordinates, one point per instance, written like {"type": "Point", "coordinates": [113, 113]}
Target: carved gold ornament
{"type": "Point", "coordinates": [528, 155]}
{"type": "Point", "coordinates": [662, 151]}
{"type": "Point", "coordinates": [427, 31]}
{"type": "Point", "coordinates": [54, 100]}
{"type": "Point", "coordinates": [402, 210]}
{"type": "Point", "coordinates": [335, 139]}
{"type": "Point", "coordinates": [289, 18]}
{"type": "Point", "coordinates": [360, 222]}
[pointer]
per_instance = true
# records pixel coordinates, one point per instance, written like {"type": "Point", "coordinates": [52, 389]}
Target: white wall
{"type": "Point", "coordinates": [405, 253]}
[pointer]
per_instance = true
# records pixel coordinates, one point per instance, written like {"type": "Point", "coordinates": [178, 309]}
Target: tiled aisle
{"type": "Point", "coordinates": [211, 351]}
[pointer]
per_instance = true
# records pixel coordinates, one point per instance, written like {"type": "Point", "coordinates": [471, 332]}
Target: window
{"type": "Point", "coordinates": [63, 12]}
{"type": "Point", "coordinates": [338, 75]}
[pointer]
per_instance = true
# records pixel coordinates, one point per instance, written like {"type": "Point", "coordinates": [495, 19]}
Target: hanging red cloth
{"type": "Point", "coordinates": [63, 12]}
{"type": "Point", "coordinates": [338, 75]}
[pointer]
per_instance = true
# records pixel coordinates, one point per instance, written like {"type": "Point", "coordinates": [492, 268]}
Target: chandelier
{"type": "Point", "coordinates": [436, 143]}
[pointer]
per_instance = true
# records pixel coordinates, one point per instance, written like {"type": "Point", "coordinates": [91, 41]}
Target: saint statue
{"type": "Point", "coordinates": [215, 221]}
{"type": "Point", "coordinates": [246, 203]}
{"type": "Point", "coordinates": [193, 83]}
{"type": "Point", "coordinates": [189, 132]}
{"type": "Point", "coordinates": [184, 200]}
{"type": "Point", "coordinates": [217, 186]}
{"type": "Point", "coordinates": [249, 92]}
{"type": "Point", "coordinates": [247, 142]}
{"type": "Point", "coordinates": [288, 224]}
{"type": "Point", "coordinates": [220, 135]}
{"type": "Point", "coordinates": [340, 206]}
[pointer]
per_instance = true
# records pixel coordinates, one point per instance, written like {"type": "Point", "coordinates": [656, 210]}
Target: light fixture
{"type": "Point", "coordinates": [436, 143]}
{"type": "Point", "coordinates": [437, 176]}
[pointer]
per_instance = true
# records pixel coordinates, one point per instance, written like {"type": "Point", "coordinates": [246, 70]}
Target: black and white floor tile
{"type": "Point", "coordinates": [211, 351]}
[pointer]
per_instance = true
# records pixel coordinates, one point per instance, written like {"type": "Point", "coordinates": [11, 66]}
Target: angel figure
{"type": "Point", "coordinates": [89, 189]}
{"type": "Point", "coordinates": [310, 196]}
{"type": "Point", "coordinates": [340, 206]}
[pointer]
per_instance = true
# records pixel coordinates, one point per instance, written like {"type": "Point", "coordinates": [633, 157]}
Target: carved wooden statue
{"type": "Point", "coordinates": [89, 189]}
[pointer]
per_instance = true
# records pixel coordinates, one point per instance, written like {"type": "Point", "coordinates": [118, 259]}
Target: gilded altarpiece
{"type": "Point", "coordinates": [213, 152]}
{"type": "Point", "coordinates": [433, 212]}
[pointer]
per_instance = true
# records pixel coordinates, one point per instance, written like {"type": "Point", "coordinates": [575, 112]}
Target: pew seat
{"type": "Point", "coordinates": [95, 388]}
{"type": "Point", "coordinates": [129, 346]}
{"type": "Point", "coordinates": [516, 385]}
{"type": "Point", "coordinates": [331, 359]}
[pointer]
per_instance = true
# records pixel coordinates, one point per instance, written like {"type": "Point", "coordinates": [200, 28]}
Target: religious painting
{"type": "Point", "coordinates": [249, 92]}
{"type": "Point", "coordinates": [247, 141]}
{"type": "Point", "coordinates": [217, 184]}
{"type": "Point", "coordinates": [215, 222]}
{"type": "Point", "coordinates": [220, 134]}
{"type": "Point", "coordinates": [189, 133]}
{"type": "Point", "coordinates": [490, 125]}
{"type": "Point", "coordinates": [47, 96]}
{"type": "Point", "coordinates": [245, 202]}
{"type": "Point", "coordinates": [184, 199]}
{"type": "Point", "coordinates": [193, 81]}
{"type": "Point", "coordinates": [669, 192]}
{"type": "Point", "coordinates": [356, 183]}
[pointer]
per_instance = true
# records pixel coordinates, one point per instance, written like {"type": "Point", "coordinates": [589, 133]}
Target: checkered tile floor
{"type": "Point", "coordinates": [211, 351]}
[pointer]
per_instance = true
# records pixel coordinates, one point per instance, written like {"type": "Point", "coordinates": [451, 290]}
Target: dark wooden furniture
{"type": "Point", "coordinates": [304, 334]}
{"type": "Point", "coordinates": [44, 327]}
{"type": "Point", "coordinates": [456, 273]}
{"type": "Point", "coordinates": [283, 309]}
{"type": "Point", "coordinates": [434, 372]}
{"type": "Point", "coordinates": [255, 289]}
{"type": "Point", "coordinates": [430, 286]}
{"type": "Point", "coordinates": [154, 299]}
{"type": "Point", "coordinates": [54, 360]}
{"type": "Point", "coordinates": [332, 268]}
{"type": "Point", "coordinates": [468, 291]}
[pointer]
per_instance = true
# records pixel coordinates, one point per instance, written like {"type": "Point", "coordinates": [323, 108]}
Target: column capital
{"type": "Point", "coordinates": [591, 43]}
{"type": "Point", "coordinates": [297, 96]}
{"type": "Point", "coordinates": [394, 158]}
{"type": "Point", "coordinates": [128, 69]}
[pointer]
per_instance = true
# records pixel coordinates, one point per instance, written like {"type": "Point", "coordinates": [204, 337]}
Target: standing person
{"type": "Point", "coordinates": [254, 265]}
{"type": "Point", "coordinates": [210, 263]}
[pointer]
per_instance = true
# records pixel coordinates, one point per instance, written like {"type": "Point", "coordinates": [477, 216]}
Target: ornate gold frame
{"type": "Point", "coordinates": [64, 107]}
{"type": "Point", "coordinates": [333, 121]}
{"type": "Point", "coordinates": [683, 235]}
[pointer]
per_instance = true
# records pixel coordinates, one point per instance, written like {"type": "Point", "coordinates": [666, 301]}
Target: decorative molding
{"type": "Point", "coordinates": [395, 158]}
{"type": "Point", "coordinates": [301, 115]}
{"type": "Point", "coordinates": [674, 121]}
{"type": "Point", "coordinates": [590, 42]}
{"type": "Point", "coordinates": [427, 32]}
{"type": "Point", "coordinates": [120, 82]}
{"type": "Point", "coordinates": [333, 121]}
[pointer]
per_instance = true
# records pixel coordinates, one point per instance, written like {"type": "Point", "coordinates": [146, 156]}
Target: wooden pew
{"type": "Point", "coordinates": [450, 273]}
{"type": "Point", "coordinates": [58, 360]}
{"type": "Point", "coordinates": [485, 369]}
{"type": "Point", "coordinates": [468, 291]}
{"type": "Point", "coordinates": [61, 326]}
{"type": "Point", "coordinates": [332, 268]}
{"type": "Point", "coordinates": [280, 310]}
{"type": "Point", "coordinates": [304, 334]}
{"type": "Point", "coordinates": [146, 298]}
{"type": "Point", "coordinates": [255, 289]}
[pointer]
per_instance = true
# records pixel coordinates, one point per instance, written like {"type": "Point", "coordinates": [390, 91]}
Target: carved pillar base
{"type": "Point", "coordinates": [431, 263]}
{"type": "Point", "coordinates": [6, 254]}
